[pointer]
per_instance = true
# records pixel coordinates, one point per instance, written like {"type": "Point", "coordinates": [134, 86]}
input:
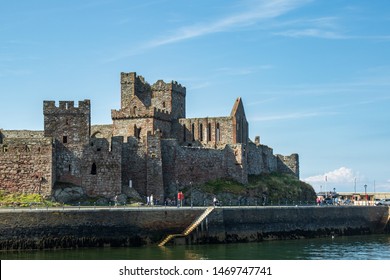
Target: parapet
{"type": "Point", "coordinates": [127, 78]}
{"type": "Point", "coordinates": [151, 112]}
{"type": "Point", "coordinates": [49, 107]}
{"type": "Point", "coordinates": [131, 77]}
{"type": "Point", "coordinates": [160, 85]}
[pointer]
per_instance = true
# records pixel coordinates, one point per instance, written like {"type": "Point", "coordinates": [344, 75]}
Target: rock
{"type": "Point", "coordinates": [69, 194]}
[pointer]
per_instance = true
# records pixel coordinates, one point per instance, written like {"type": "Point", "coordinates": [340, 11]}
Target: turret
{"type": "Point", "coordinates": [68, 124]}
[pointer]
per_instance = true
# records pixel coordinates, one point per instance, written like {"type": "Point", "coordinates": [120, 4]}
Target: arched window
{"type": "Point", "coordinates": [93, 169]}
{"type": "Point", "coordinates": [184, 133]}
{"type": "Point", "coordinates": [218, 133]}
{"type": "Point", "coordinates": [135, 109]}
{"type": "Point", "coordinates": [200, 132]}
{"type": "Point", "coordinates": [193, 131]}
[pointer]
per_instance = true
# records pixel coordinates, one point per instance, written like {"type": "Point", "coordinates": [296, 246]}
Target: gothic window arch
{"type": "Point", "coordinates": [218, 133]}
{"type": "Point", "coordinates": [201, 132]}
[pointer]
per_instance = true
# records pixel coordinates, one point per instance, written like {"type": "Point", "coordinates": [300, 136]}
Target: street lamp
{"type": "Point", "coordinates": [365, 192]}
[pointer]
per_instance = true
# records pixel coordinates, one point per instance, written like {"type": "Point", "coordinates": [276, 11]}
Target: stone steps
{"type": "Point", "coordinates": [189, 229]}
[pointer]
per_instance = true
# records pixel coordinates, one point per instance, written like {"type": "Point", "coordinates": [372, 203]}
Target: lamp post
{"type": "Point", "coordinates": [191, 193]}
{"type": "Point", "coordinates": [365, 192]}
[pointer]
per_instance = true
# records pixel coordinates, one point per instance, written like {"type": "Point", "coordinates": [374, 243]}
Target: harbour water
{"type": "Point", "coordinates": [367, 247]}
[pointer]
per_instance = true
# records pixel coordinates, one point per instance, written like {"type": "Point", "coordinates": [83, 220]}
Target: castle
{"type": "Point", "coordinates": [150, 147]}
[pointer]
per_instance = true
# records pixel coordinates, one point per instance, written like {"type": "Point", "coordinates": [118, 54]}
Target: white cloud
{"type": "Point", "coordinates": [341, 175]}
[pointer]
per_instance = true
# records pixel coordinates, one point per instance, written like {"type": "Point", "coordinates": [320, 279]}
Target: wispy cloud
{"type": "Point", "coordinates": [290, 116]}
{"type": "Point", "coordinates": [312, 32]}
{"type": "Point", "coordinates": [256, 12]}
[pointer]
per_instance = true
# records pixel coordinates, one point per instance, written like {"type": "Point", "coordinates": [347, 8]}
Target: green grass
{"type": "Point", "coordinates": [24, 200]}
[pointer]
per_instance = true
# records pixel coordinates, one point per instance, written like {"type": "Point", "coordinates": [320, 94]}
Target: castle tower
{"type": "Point", "coordinates": [134, 86]}
{"type": "Point", "coordinates": [170, 97]}
{"type": "Point", "coordinates": [70, 126]}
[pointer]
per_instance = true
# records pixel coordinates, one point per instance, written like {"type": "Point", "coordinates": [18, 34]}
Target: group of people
{"type": "Point", "coordinates": [180, 200]}
{"type": "Point", "coordinates": [150, 200]}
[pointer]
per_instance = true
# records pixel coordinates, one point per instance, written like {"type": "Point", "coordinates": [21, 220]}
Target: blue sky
{"type": "Point", "coordinates": [314, 75]}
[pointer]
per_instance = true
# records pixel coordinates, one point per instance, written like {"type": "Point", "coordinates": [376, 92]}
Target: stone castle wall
{"type": "Point", "coordinates": [102, 167]}
{"type": "Point", "coordinates": [260, 159]}
{"type": "Point", "coordinates": [206, 132]}
{"type": "Point", "coordinates": [27, 165]}
{"type": "Point", "coordinates": [134, 165]}
{"type": "Point", "coordinates": [288, 164]}
{"type": "Point", "coordinates": [194, 165]}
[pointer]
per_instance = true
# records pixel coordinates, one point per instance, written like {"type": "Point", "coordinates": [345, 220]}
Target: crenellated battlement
{"type": "Point", "coordinates": [131, 77]}
{"type": "Point", "coordinates": [160, 85]}
{"type": "Point", "coordinates": [84, 107]}
{"type": "Point", "coordinates": [150, 112]}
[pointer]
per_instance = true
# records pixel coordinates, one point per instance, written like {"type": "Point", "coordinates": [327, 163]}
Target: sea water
{"type": "Point", "coordinates": [367, 247]}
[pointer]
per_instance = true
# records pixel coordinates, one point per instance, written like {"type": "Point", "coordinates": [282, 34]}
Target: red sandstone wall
{"type": "Point", "coordinates": [26, 165]}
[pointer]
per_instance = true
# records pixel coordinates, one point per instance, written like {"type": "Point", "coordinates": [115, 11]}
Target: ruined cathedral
{"type": "Point", "coordinates": [150, 147]}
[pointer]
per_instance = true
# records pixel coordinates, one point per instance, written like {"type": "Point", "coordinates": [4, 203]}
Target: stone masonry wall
{"type": "Point", "coordinates": [21, 134]}
{"type": "Point", "coordinates": [288, 164]}
{"type": "Point", "coordinates": [260, 159]}
{"type": "Point", "coordinates": [134, 165]}
{"type": "Point", "coordinates": [26, 165]}
{"type": "Point", "coordinates": [102, 167]}
{"type": "Point", "coordinates": [195, 165]}
{"type": "Point", "coordinates": [154, 173]}
{"type": "Point", "coordinates": [206, 132]}
{"type": "Point", "coordinates": [136, 127]}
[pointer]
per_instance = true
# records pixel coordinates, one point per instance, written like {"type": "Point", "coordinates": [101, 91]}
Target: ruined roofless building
{"type": "Point", "coordinates": [150, 147]}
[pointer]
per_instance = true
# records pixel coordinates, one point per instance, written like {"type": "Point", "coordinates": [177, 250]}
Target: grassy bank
{"type": "Point", "coordinates": [275, 187]}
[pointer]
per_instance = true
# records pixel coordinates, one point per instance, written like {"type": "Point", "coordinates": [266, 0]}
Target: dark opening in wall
{"type": "Point", "coordinates": [209, 132]}
{"type": "Point", "coordinates": [64, 139]}
{"type": "Point", "coordinates": [218, 136]}
{"type": "Point", "coordinates": [93, 169]}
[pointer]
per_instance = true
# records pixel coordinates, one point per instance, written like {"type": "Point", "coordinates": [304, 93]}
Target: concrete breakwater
{"type": "Point", "coordinates": [57, 228]}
